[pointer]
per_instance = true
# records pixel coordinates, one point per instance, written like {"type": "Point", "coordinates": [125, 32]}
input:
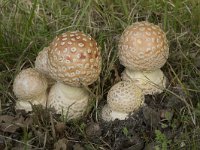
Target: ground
{"type": "Point", "coordinates": [169, 120]}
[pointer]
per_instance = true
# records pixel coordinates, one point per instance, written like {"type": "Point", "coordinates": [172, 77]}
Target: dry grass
{"type": "Point", "coordinates": [26, 26]}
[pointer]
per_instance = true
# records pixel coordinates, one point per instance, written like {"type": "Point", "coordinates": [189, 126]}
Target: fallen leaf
{"type": "Point", "coordinates": [93, 130]}
{"type": "Point", "coordinates": [61, 144]}
{"type": "Point", "coordinates": [11, 124]}
{"type": "Point", "coordinates": [60, 128]}
{"type": "Point", "coordinates": [152, 118]}
{"type": "Point", "coordinates": [6, 118]}
{"type": "Point", "coordinates": [77, 146]}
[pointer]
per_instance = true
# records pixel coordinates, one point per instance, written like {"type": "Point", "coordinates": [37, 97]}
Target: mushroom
{"type": "Point", "coordinates": [42, 66]}
{"type": "Point", "coordinates": [67, 100]}
{"type": "Point", "coordinates": [73, 61]}
{"type": "Point", "coordinates": [143, 48]}
{"type": "Point", "coordinates": [30, 88]}
{"type": "Point", "coordinates": [123, 99]}
{"type": "Point", "coordinates": [150, 82]}
{"type": "Point", "coordinates": [41, 61]}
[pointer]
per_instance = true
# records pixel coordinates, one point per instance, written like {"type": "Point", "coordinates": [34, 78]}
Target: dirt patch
{"type": "Point", "coordinates": [42, 129]}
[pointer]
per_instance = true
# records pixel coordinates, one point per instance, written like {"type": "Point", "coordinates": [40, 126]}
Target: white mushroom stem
{"type": "Point", "coordinates": [151, 82]}
{"type": "Point", "coordinates": [69, 101]}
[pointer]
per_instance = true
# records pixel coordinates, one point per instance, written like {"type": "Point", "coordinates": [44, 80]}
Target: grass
{"type": "Point", "coordinates": [26, 26]}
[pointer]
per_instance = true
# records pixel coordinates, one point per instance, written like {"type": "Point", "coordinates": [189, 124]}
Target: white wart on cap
{"type": "Point", "coordinates": [152, 82]}
{"type": "Point", "coordinates": [143, 46]}
{"type": "Point", "coordinates": [30, 87]}
{"type": "Point", "coordinates": [74, 59]}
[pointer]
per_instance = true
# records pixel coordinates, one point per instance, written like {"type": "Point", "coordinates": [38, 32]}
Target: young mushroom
{"type": "Point", "coordinates": [67, 100]}
{"type": "Point", "coordinates": [41, 61]}
{"type": "Point", "coordinates": [150, 82]}
{"type": "Point", "coordinates": [143, 50]}
{"type": "Point", "coordinates": [123, 99]}
{"type": "Point", "coordinates": [30, 88]}
{"type": "Point", "coordinates": [74, 61]}
{"type": "Point", "coordinates": [42, 66]}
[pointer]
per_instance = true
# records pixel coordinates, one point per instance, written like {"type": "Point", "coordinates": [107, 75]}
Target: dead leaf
{"type": "Point", "coordinates": [8, 127]}
{"type": "Point", "coordinates": [60, 128]}
{"type": "Point", "coordinates": [61, 144]}
{"type": "Point", "coordinates": [77, 146]}
{"type": "Point", "coordinates": [6, 118]}
{"type": "Point", "coordinates": [152, 117]}
{"type": "Point", "coordinates": [11, 124]}
{"type": "Point", "coordinates": [93, 130]}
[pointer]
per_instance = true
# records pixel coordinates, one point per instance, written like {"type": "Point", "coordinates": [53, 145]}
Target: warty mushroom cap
{"type": "Point", "coordinates": [143, 46]}
{"type": "Point", "coordinates": [67, 100]}
{"type": "Point", "coordinates": [74, 59]}
{"type": "Point", "coordinates": [125, 97]}
{"type": "Point", "coordinates": [29, 84]}
{"type": "Point", "coordinates": [151, 82]}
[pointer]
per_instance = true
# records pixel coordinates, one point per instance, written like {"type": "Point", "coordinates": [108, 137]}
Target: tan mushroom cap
{"type": "Point", "coordinates": [152, 82]}
{"type": "Point", "coordinates": [74, 59]}
{"type": "Point", "coordinates": [125, 97]}
{"type": "Point", "coordinates": [41, 65]}
{"type": "Point", "coordinates": [143, 46]}
{"type": "Point", "coordinates": [29, 84]}
{"type": "Point", "coordinates": [41, 61]}
{"type": "Point", "coordinates": [67, 100]}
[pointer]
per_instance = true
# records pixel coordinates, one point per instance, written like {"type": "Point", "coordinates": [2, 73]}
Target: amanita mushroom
{"type": "Point", "coordinates": [41, 61]}
{"type": "Point", "coordinates": [74, 61]}
{"type": "Point", "coordinates": [67, 100]}
{"type": "Point", "coordinates": [143, 48]}
{"type": "Point", "coordinates": [30, 88]}
{"type": "Point", "coordinates": [123, 99]}
{"type": "Point", "coordinates": [42, 66]}
{"type": "Point", "coordinates": [150, 82]}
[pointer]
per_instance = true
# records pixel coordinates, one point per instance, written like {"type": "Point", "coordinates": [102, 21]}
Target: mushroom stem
{"type": "Point", "coordinates": [151, 82]}
{"type": "Point", "coordinates": [67, 100]}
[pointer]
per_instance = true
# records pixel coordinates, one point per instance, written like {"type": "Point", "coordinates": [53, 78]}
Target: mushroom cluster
{"type": "Point", "coordinates": [143, 50]}
{"type": "Point", "coordinates": [70, 62]}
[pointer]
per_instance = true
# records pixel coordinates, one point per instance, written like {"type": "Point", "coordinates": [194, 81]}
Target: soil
{"type": "Point", "coordinates": [135, 133]}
